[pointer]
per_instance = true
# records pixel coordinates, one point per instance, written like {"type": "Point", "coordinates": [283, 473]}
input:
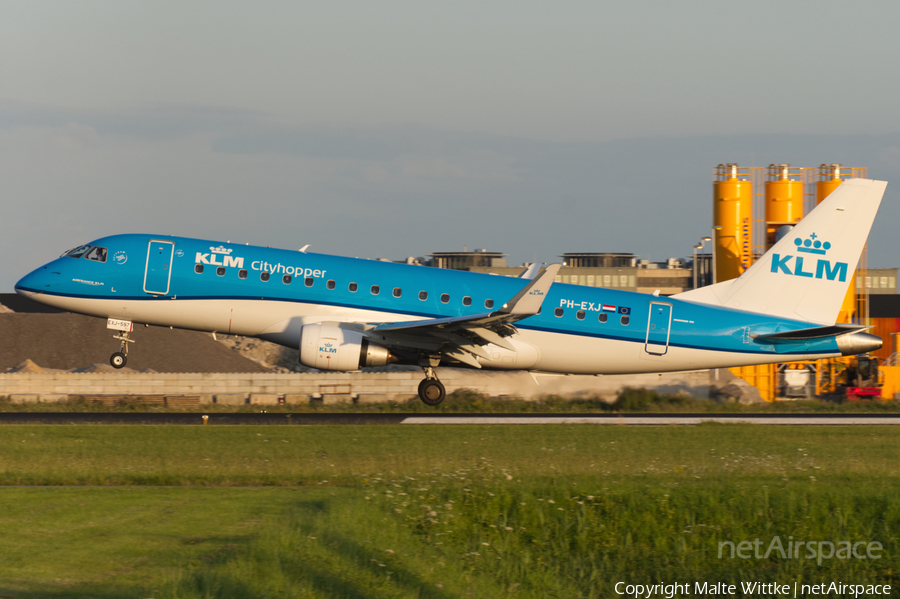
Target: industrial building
{"type": "Point", "coordinates": [594, 269]}
{"type": "Point", "coordinates": [877, 281]}
{"type": "Point", "coordinates": [753, 207]}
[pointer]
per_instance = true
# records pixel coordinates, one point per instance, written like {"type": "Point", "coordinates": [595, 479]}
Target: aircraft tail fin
{"type": "Point", "coordinates": [806, 274]}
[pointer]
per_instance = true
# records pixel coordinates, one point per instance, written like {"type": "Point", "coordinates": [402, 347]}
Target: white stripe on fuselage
{"type": "Point", "coordinates": [280, 322]}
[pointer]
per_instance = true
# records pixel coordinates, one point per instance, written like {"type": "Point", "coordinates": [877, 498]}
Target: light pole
{"type": "Point", "coordinates": [696, 247]}
{"type": "Point", "coordinates": [699, 246]}
{"type": "Point", "coordinates": [714, 235]}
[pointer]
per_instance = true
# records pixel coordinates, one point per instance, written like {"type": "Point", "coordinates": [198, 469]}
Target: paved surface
{"type": "Point", "coordinates": [345, 418]}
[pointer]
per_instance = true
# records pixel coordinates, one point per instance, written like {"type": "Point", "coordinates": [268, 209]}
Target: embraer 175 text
{"type": "Point", "coordinates": [347, 313]}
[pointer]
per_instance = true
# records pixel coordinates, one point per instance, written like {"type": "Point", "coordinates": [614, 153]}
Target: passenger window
{"type": "Point", "coordinates": [198, 268]}
{"type": "Point", "coordinates": [375, 289]}
{"type": "Point", "coordinates": [445, 298]}
{"type": "Point", "coordinates": [625, 320]}
{"type": "Point", "coordinates": [286, 279]}
{"type": "Point", "coordinates": [423, 295]}
{"type": "Point", "coordinates": [602, 317]}
{"type": "Point", "coordinates": [242, 274]}
{"type": "Point", "coordinates": [263, 276]}
{"type": "Point", "coordinates": [353, 287]}
{"type": "Point", "coordinates": [467, 301]}
{"type": "Point", "coordinates": [580, 315]}
{"type": "Point", "coordinates": [558, 312]}
{"type": "Point", "coordinates": [97, 254]}
{"type": "Point", "coordinates": [330, 284]}
{"type": "Point", "coordinates": [488, 303]}
{"type": "Point", "coordinates": [309, 281]}
{"type": "Point", "coordinates": [220, 271]}
{"type": "Point", "coordinates": [397, 292]}
{"type": "Point", "coordinates": [77, 252]}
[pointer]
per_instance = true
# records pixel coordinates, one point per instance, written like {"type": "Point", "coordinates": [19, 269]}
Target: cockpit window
{"type": "Point", "coordinates": [96, 253]}
{"type": "Point", "coordinates": [78, 252]}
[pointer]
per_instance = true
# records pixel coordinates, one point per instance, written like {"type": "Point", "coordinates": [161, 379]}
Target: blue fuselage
{"type": "Point", "coordinates": [270, 293]}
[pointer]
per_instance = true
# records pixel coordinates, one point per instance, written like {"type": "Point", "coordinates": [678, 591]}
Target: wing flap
{"type": "Point", "coordinates": [489, 336]}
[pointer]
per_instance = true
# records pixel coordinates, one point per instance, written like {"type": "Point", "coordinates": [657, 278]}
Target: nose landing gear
{"type": "Point", "coordinates": [120, 358]}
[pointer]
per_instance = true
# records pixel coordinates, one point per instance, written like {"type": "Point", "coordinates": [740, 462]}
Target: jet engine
{"type": "Point", "coordinates": [328, 347]}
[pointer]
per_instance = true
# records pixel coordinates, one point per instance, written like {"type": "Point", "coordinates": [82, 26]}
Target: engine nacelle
{"type": "Point", "coordinates": [328, 347]}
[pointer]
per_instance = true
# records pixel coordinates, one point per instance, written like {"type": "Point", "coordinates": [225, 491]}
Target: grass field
{"type": "Point", "coordinates": [433, 511]}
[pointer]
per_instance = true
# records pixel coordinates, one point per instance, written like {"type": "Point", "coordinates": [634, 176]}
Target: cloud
{"type": "Point", "coordinates": [393, 191]}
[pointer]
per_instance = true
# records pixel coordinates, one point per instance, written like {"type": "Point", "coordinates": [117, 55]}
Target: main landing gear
{"type": "Point", "coordinates": [431, 390]}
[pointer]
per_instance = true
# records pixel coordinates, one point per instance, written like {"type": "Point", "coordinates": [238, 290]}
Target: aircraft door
{"type": "Point", "coordinates": [658, 328]}
{"type": "Point", "coordinates": [158, 272]}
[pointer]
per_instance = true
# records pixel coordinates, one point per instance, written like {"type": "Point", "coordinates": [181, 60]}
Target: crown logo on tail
{"type": "Point", "coordinates": [812, 245]}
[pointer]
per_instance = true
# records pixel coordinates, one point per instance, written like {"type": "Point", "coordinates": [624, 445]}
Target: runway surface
{"type": "Point", "coordinates": [262, 418]}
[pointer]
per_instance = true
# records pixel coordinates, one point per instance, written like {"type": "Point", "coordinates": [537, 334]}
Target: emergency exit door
{"type": "Point", "coordinates": [658, 328]}
{"type": "Point", "coordinates": [158, 272]}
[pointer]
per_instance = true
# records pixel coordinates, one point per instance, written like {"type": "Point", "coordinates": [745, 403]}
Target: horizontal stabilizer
{"type": "Point", "coordinates": [806, 334]}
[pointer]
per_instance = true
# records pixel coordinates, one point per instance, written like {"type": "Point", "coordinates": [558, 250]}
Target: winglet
{"type": "Point", "coordinates": [531, 272]}
{"type": "Point", "coordinates": [529, 299]}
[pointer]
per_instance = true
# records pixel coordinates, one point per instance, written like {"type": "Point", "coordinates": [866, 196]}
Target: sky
{"type": "Point", "coordinates": [400, 128]}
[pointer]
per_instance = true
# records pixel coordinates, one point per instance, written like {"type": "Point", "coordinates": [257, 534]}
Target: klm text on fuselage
{"type": "Point", "coordinates": [238, 262]}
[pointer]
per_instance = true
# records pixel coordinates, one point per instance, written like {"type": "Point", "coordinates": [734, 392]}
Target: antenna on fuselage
{"type": "Point", "coordinates": [304, 248]}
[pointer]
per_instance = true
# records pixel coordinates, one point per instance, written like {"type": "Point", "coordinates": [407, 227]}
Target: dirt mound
{"type": "Point", "coordinates": [104, 368]}
{"type": "Point", "coordinates": [69, 341]}
{"type": "Point", "coordinates": [270, 355]}
{"type": "Point", "coordinates": [26, 366]}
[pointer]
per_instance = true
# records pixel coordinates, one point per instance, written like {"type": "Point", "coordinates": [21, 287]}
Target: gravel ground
{"type": "Point", "coordinates": [71, 341]}
{"type": "Point", "coordinates": [56, 340]}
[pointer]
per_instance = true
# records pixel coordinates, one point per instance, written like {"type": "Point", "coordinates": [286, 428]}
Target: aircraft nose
{"type": "Point", "coordinates": [37, 281]}
{"type": "Point", "coordinates": [24, 283]}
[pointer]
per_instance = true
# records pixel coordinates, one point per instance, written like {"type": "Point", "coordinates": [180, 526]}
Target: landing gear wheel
{"type": "Point", "coordinates": [118, 360]}
{"type": "Point", "coordinates": [432, 392]}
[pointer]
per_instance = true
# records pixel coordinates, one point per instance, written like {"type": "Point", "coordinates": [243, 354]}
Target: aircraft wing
{"type": "Point", "coordinates": [462, 337]}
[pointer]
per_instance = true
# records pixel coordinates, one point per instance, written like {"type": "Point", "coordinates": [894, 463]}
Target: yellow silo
{"type": "Point", "coordinates": [784, 201]}
{"type": "Point", "coordinates": [829, 180]}
{"type": "Point", "coordinates": [732, 221]}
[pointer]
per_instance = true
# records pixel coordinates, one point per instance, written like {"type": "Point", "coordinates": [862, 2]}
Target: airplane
{"type": "Point", "coordinates": [344, 314]}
